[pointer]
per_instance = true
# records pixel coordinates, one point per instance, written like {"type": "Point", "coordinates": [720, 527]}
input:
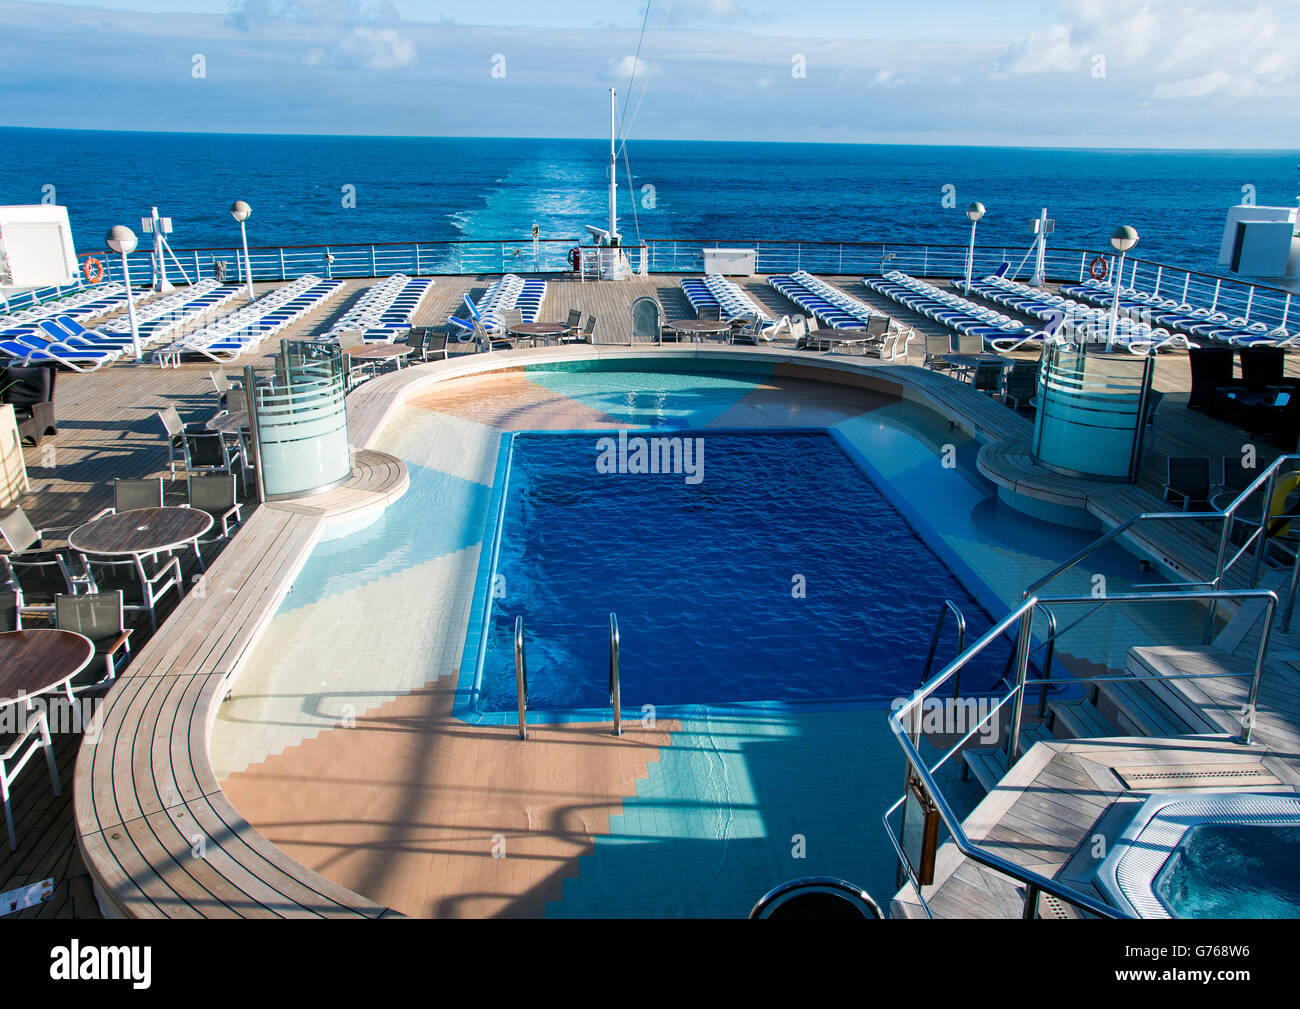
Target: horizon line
{"type": "Point", "coordinates": [658, 140]}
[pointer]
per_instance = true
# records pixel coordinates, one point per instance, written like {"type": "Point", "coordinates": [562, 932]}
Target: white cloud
{"type": "Point", "coordinates": [1193, 87]}
{"type": "Point", "coordinates": [378, 48]}
{"type": "Point", "coordinates": [621, 69]}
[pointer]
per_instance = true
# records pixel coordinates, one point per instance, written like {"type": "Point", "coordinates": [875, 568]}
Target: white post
{"type": "Point", "coordinates": [1114, 305]}
{"type": "Point", "coordinates": [1159, 271]}
{"type": "Point", "coordinates": [130, 307]}
{"type": "Point", "coordinates": [613, 183]}
{"type": "Point", "coordinates": [970, 255]}
{"type": "Point", "coordinates": [248, 263]}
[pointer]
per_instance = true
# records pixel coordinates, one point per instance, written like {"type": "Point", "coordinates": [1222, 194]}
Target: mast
{"type": "Point", "coordinates": [613, 184]}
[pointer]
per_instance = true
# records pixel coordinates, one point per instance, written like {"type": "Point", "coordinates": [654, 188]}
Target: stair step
{"type": "Point", "coordinates": [1080, 719]}
{"type": "Point", "coordinates": [989, 764]}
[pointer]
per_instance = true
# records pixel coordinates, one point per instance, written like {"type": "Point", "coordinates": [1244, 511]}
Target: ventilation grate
{"type": "Point", "coordinates": [1196, 776]}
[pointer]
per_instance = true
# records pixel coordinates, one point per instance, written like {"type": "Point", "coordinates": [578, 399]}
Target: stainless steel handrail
{"type": "Point", "coordinates": [1023, 616]}
{"type": "Point", "coordinates": [615, 687]}
{"type": "Point", "coordinates": [948, 607]}
{"type": "Point", "coordinates": [1266, 480]}
{"type": "Point", "coordinates": [521, 676]}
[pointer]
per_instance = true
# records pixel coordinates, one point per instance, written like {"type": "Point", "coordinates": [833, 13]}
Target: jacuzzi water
{"type": "Point", "coordinates": [1233, 871]}
{"type": "Point", "coordinates": [782, 574]}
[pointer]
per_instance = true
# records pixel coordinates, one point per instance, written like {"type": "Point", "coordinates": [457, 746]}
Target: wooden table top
{"type": "Point", "coordinates": [539, 328]}
{"type": "Point", "coordinates": [229, 423]}
{"type": "Point", "coordinates": [380, 350]}
{"type": "Point", "coordinates": [140, 531]}
{"type": "Point", "coordinates": [37, 660]}
{"type": "Point", "coordinates": [700, 325]}
{"type": "Point", "coordinates": [847, 335]}
{"type": "Point", "coordinates": [973, 360]}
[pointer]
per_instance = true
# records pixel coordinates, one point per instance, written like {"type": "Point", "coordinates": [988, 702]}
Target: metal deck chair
{"type": "Point", "coordinates": [16, 749]}
{"type": "Point", "coordinates": [215, 494]}
{"type": "Point", "coordinates": [1188, 477]}
{"type": "Point", "coordinates": [101, 618]}
{"type": "Point", "coordinates": [36, 573]}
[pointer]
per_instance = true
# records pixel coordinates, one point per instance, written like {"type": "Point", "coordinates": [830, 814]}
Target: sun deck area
{"type": "Point", "coordinates": [347, 796]}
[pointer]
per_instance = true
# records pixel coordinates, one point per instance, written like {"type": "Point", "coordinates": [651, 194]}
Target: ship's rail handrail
{"type": "Point", "coordinates": [1254, 302]}
{"type": "Point", "coordinates": [905, 721]}
{"type": "Point", "coordinates": [1229, 519]}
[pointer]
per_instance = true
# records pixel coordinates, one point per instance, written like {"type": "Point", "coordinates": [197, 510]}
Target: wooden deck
{"type": "Point", "coordinates": [108, 429]}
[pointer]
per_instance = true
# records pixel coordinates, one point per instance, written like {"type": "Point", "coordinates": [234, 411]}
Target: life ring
{"type": "Point", "coordinates": [1098, 268]}
{"type": "Point", "coordinates": [1281, 491]}
{"type": "Point", "coordinates": [93, 270]}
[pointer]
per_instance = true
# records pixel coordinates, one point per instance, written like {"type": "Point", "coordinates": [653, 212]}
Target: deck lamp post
{"type": "Point", "coordinates": [1122, 240]}
{"type": "Point", "coordinates": [240, 210]}
{"type": "Point", "coordinates": [122, 239]}
{"type": "Point", "coordinates": [975, 211]}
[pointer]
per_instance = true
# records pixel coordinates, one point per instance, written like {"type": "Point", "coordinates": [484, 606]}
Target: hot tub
{"type": "Point", "coordinates": [1208, 855]}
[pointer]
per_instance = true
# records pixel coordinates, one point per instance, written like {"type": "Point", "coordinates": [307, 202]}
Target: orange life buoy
{"type": "Point", "coordinates": [1098, 268]}
{"type": "Point", "coordinates": [93, 270]}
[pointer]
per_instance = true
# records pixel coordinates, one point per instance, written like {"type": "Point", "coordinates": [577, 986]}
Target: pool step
{"type": "Point", "coordinates": [1080, 719]}
{"type": "Point", "coordinates": [989, 764]}
{"type": "Point", "coordinates": [1154, 708]}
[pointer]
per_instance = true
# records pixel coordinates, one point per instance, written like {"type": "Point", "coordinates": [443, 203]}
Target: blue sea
{"type": "Point", "coordinates": [431, 188]}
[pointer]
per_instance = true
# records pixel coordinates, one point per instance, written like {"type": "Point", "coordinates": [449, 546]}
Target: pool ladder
{"type": "Point", "coordinates": [615, 684]}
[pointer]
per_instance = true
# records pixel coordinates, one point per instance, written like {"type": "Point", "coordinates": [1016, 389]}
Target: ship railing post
{"type": "Point", "coordinates": [1022, 672]}
{"type": "Point", "coordinates": [615, 686]}
{"type": "Point", "coordinates": [1214, 306]}
{"type": "Point", "coordinates": [521, 676]}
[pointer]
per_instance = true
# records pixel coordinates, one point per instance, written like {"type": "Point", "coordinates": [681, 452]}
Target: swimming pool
{"type": "Point", "coordinates": [1214, 855]}
{"type": "Point", "coordinates": [756, 566]}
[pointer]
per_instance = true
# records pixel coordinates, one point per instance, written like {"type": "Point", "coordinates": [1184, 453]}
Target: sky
{"type": "Point", "coordinates": [1074, 73]}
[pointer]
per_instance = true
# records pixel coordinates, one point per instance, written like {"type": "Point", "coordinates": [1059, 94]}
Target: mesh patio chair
{"type": "Point", "coordinates": [1188, 478]}
{"type": "Point", "coordinates": [32, 570]}
{"type": "Point", "coordinates": [101, 617]}
{"type": "Point", "coordinates": [17, 747]}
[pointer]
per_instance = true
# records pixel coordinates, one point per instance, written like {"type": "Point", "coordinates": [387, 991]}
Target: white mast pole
{"type": "Point", "coordinates": [613, 184]}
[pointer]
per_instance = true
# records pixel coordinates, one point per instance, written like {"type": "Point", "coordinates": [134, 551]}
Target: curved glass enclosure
{"type": "Point", "coordinates": [299, 422]}
{"type": "Point", "coordinates": [1091, 409]}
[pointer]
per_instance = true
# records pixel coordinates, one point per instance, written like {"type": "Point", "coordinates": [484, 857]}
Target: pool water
{"type": "Point", "coordinates": [1233, 871]}
{"type": "Point", "coordinates": [778, 573]}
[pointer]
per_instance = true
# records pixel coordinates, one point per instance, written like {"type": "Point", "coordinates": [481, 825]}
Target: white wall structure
{"type": "Point", "coordinates": [36, 248]}
{"type": "Point", "coordinates": [1261, 242]}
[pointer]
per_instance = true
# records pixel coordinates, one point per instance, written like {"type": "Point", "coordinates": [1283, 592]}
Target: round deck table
{"type": "Point", "coordinates": [140, 531]}
{"type": "Point", "coordinates": [533, 330]}
{"type": "Point", "coordinates": [39, 660]}
{"type": "Point", "coordinates": [381, 352]}
{"type": "Point", "coordinates": [697, 328]}
{"type": "Point", "coordinates": [853, 337]}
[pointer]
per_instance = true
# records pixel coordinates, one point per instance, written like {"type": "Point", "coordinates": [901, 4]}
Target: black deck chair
{"type": "Point", "coordinates": [988, 378]}
{"type": "Point", "coordinates": [1211, 368]}
{"type": "Point", "coordinates": [31, 391]}
{"type": "Point", "coordinates": [1188, 479]}
{"type": "Point", "coordinates": [1262, 367]}
{"type": "Point", "coordinates": [1021, 384]}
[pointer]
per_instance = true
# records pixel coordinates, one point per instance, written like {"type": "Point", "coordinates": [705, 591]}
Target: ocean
{"type": "Point", "coordinates": [432, 188]}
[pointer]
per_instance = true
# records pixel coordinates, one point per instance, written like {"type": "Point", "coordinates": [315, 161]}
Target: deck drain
{"type": "Point", "coordinates": [1052, 907]}
{"type": "Point", "coordinates": [1198, 776]}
